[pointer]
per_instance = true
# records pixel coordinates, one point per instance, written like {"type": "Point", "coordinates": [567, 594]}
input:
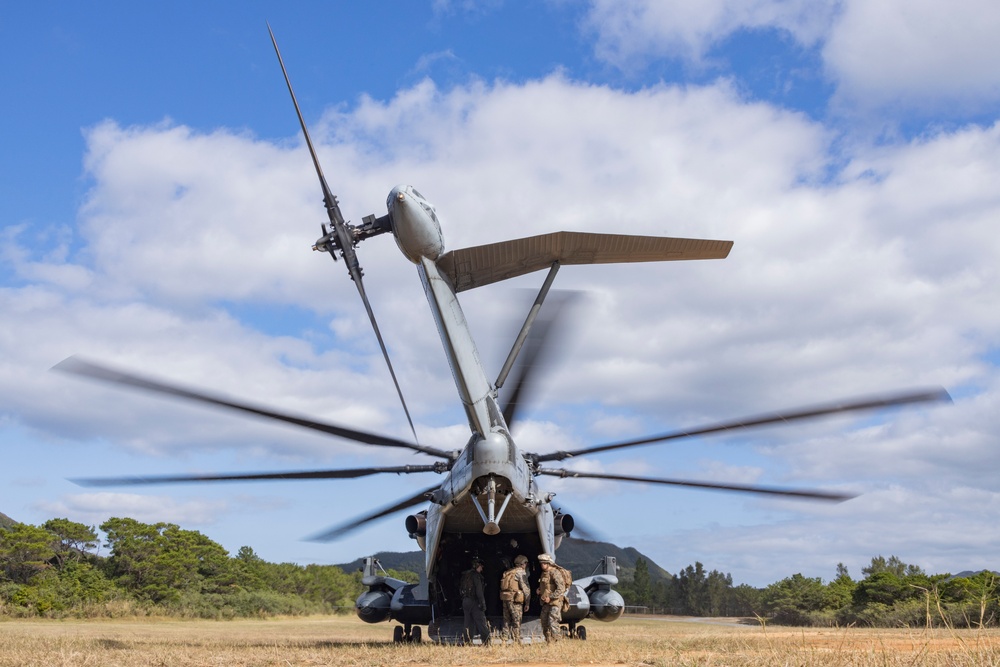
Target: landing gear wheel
{"type": "Point", "coordinates": [581, 633]}
{"type": "Point", "coordinates": [416, 636]}
{"type": "Point", "coordinates": [397, 634]}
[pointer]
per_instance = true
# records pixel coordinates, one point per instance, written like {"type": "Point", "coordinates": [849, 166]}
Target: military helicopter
{"type": "Point", "coordinates": [489, 503]}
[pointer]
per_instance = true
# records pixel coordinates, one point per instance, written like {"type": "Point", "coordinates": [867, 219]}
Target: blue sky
{"type": "Point", "coordinates": [158, 209]}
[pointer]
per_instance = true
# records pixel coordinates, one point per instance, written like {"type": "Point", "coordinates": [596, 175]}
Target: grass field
{"type": "Point", "coordinates": [343, 640]}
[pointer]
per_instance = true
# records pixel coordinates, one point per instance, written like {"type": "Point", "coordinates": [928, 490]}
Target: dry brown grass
{"type": "Point", "coordinates": [347, 641]}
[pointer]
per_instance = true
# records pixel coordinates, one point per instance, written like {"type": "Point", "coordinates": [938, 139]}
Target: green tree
{"type": "Point", "coordinates": [74, 539]}
{"type": "Point", "coordinates": [161, 561]}
{"type": "Point", "coordinates": [718, 594]}
{"type": "Point", "coordinates": [892, 565]}
{"type": "Point", "coordinates": [974, 600]}
{"type": "Point", "coordinates": [883, 587]}
{"type": "Point", "coordinates": [25, 551]}
{"type": "Point", "coordinates": [790, 601]}
{"type": "Point", "coordinates": [748, 601]}
{"type": "Point", "coordinates": [81, 582]}
{"type": "Point", "coordinates": [641, 584]}
{"type": "Point", "coordinates": [663, 594]}
{"type": "Point", "coordinates": [840, 591]}
{"type": "Point", "coordinates": [322, 584]}
{"type": "Point", "coordinates": [690, 590]}
{"type": "Point", "coordinates": [249, 569]}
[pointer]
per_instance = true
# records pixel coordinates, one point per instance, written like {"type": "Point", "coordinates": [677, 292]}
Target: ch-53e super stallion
{"type": "Point", "coordinates": [488, 502]}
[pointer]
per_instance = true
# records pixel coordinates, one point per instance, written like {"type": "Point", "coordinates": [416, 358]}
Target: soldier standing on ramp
{"type": "Point", "coordinates": [551, 589]}
{"type": "Point", "coordinates": [474, 603]}
{"type": "Point", "coordinates": [515, 593]}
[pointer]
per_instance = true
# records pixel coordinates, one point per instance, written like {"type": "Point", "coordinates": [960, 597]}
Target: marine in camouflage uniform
{"type": "Point", "coordinates": [551, 589]}
{"type": "Point", "coordinates": [471, 587]}
{"type": "Point", "coordinates": [515, 593]}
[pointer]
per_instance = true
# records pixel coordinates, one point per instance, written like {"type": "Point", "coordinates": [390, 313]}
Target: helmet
{"type": "Point", "coordinates": [476, 562]}
{"type": "Point", "coordinates": [521, 560]}
{"type": "Point", "coordinates": [546, 558]}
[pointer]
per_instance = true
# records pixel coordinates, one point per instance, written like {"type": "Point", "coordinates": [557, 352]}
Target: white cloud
{"type": "Point", "coordinates": [179, 215]}
{"type": "Point", "coordinates": [904, 55]}
{"type": "Point", "coordinates": [631, 30]}
{"type": "Point", "coordinates": [916, 53]}
{"type": "Point", "coordinates": [95, 508]}
{"type": "Point", "coordinates": [920, 526]}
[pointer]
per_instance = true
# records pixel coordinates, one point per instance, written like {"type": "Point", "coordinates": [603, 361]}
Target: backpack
{"type": "Point", "coordinates": [567, 577]}
{"type": "Point", "coordinates": [509, 586]}
{"type": "Point", "coordinates": [467, 588]}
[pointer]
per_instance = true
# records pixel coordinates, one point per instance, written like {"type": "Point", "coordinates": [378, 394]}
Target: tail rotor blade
{"type": "Point", "coordinates": [345, 240]}
{"type": "Point", "coordinates": [332, 207]}
{"type": "Point", "coordinates": [385, 353]}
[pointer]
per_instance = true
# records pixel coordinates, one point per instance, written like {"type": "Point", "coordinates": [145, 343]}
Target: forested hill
{"type": "Point", "coordinates": [6, 521]}
{"type": "Point", "coordinates": [405, 561]}
{"type": "Point", "coordinates": [580, 556]}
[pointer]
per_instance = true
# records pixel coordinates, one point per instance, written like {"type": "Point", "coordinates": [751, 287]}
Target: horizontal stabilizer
{"type": "Point", "coordinates": [485, 264]}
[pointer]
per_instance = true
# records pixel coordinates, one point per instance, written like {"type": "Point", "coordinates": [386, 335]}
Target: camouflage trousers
{"type": "Point", "coordinates": [551, 618]}
{"type": "Point", "coordinates": [512, 613]}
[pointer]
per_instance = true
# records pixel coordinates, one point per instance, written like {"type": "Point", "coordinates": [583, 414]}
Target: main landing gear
{"type": "Point", "coordinates": [574, 631]}
{"type": "Point", "coordinates": [411, 634]}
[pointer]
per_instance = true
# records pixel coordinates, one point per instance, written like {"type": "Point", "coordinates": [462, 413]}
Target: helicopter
{"type": "Point", "coordinates": [488, 502]}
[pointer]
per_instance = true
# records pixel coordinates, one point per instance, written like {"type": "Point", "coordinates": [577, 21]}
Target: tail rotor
{"type": "Point", "coordinates": [342, 237]}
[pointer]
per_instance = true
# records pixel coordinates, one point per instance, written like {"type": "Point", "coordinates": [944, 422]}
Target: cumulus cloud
{"type": "Point", "coordinates": [883, 522]}
{"type": "Point", "coordinates": [633, 30]}
{"type": "Point", "coordinates": [899, 53]}
{"type": "Point", "coordinates": [95, 508]}
{"type": "Point", "coordinates": [885, 54]}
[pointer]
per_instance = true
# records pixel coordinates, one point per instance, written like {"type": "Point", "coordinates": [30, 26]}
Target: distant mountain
{"type": "Point", "coordinates": [583, 556]}
{"type": "Point", "coordinates": [409, 561]}
{"type": "Point", "coordinates": [580, 556]}
{"type": "Point", "coordinates": [964, 574]}
{"type": "Point", "coordinates": [6, 521]}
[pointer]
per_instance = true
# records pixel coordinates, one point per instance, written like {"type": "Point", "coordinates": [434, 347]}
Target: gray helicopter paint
{"type": "Point", "coordinates": [418, 236]}
{"type": "Point", "coordinates": [463, 356]}
{"type": "Point", "coordinates": [491, 454]}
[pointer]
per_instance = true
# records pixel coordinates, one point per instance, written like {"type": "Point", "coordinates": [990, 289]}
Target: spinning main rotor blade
{"type": "Point", "coordinates": [537, 342]}
{"type": "Point", "coordinates": [351, 473]}
{"type": "Point", "coordinates": [340, 531]}
{"type": "Point", "coordinates": [345, 240]}
{"type": "Point", "coordinates": [742, 488]}
{"type": "Point", "coordinates": [77, 366]}
{"type": "Point", "coordinates": [904, 398]}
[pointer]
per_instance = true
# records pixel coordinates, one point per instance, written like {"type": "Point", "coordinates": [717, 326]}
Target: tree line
{"type": "Point", "coordinates": [157, 569]}
{"type": "Point", "coordinates": [891, 593]}
{"type": "Point", "coordinates": [55, 570]}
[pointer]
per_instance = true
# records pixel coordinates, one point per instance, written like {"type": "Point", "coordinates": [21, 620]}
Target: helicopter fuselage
{"type": "Point", "coordinates": [490, 488]}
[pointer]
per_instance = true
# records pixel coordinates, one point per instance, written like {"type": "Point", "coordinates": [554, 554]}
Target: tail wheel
{"type": "Point", "coordinates": [581, 632]}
